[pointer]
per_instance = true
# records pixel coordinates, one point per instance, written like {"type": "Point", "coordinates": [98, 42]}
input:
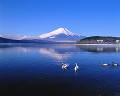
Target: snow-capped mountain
{"type": "Point", "coordinates": [61, 34]}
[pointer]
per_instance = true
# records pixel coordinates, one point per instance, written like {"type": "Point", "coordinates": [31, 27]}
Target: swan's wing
{"type": "Point", "coordinates": [67, 64]}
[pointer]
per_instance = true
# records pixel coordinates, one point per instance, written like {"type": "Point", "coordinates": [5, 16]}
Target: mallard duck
{"type": "Point", "coordinates": [104, 64]}
{"type": "Point", "coordinates": [114, 64]}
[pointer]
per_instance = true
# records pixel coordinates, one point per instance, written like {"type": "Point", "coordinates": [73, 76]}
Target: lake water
{"type": "Point", "coordinates": [36, 70]}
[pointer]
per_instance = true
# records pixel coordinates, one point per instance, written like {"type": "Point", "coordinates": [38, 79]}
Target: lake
{"type": "Point", "coordinates": [36, 70]}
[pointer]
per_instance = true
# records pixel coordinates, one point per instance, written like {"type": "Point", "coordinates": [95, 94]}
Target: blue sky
{"type": "Point", "coordinates": [83, 17]}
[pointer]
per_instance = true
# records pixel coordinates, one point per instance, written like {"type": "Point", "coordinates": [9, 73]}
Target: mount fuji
{"type": "Point", "coordinates": [61, 35]}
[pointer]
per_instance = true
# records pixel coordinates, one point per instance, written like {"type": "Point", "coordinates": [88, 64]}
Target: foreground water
{"type": "Point", "coordinates": [36, 70]}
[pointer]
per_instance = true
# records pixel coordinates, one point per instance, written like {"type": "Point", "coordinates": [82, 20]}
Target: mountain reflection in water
{"type": "Point", "coordinates": [99, 48]}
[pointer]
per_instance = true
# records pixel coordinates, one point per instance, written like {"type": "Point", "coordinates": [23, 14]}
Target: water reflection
{"type": "Point", "coordinates": [99, 48]}
{"type": "Point", "coordinates": [59, 52]}
{"type": "Point", "coordinates": [53, 53]}
{"type": "Point", "coordinates": [75, 72]}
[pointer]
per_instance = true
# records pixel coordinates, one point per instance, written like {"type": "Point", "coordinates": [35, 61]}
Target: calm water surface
{"type": "Point", "coordinates": [36, 70]}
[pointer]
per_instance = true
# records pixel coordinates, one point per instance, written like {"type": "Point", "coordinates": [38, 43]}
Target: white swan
{"type": "Point", "coordinates": [114, 64]}
{"type": "Point", "coordinates": [76, 67]}
{"type": "Point", "coordinates": [65, 66]}
{"type": "Point", "coordinates": [104, 64]}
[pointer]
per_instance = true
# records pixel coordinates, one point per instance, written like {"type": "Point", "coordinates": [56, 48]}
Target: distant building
{"type": "Point", "coordinates": [117, 41]}
{"type": "Point", "coordinates": [99, 40]}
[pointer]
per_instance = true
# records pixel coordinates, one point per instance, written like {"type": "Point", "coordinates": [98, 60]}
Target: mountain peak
{"type": "Point", "coordinates": [61, 34]}
{"type": "Point", "coordinates": [57, 32]}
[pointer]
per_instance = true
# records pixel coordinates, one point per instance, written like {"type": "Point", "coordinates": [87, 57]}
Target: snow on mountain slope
{"type": "Point", "coordinates": [57, 32]}
{"type": "Point", "coordinates": [61, 34]}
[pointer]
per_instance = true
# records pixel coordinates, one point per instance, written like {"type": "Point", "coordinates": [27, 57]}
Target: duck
{"type": "Point", "coordinates": [76, 67]}
{"type": "Point", "coordinates": [65, 66]}
{"type": "Point", "coordinates": [114, 64]}
{"type": "Point", "coordinates": [104, 64]}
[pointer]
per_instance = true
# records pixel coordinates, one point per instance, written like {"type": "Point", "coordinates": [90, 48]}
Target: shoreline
{"type": "Point", "coordinates": [98, 44]}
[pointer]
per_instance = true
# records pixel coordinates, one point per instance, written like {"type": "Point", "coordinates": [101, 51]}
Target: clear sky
{"type": "Point", "coordinates": [83, 17]}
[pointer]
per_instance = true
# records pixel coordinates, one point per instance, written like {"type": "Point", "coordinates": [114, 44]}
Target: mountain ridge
{"type": "Point", "coordinates": [6, 40]}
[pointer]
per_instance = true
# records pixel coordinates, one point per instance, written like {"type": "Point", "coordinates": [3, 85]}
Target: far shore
{"type": "Point", "coordinates": [98, 44]}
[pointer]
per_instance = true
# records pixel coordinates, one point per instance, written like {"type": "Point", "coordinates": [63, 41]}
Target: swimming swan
{"type": "Point", "coordinates": [76, 67]}
{"type": "Point", "coordinates": [65, 66]}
